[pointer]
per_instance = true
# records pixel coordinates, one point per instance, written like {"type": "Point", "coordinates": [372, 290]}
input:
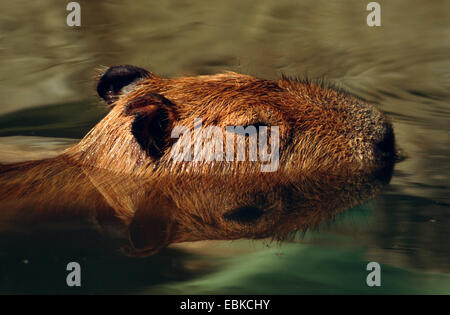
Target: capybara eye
{"type": "Point", "coordinates": [117, 77]}
{"type": "Point", "coordinates": [257, 125]}
{"type": "Point", "coordinates": [244, 215]}
{"type": "Point", "coordinates": [249, 129]}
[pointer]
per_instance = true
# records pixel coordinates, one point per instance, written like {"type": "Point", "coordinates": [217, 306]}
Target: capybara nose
{"type": "Point", "coordinates": [385, 144]}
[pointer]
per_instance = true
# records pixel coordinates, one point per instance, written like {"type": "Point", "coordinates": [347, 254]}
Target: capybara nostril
{"type": "Point", "coordinates": [385, 146]}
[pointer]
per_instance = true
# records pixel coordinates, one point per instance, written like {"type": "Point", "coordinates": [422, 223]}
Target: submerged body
{"type": "Point", "coordinates": [335, 151]}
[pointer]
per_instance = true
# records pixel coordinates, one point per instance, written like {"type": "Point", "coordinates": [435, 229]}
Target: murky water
{"type": "Point", "coordinates": [403, 66]}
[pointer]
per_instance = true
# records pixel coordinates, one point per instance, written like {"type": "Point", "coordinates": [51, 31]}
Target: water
{"type": "Point", "coordinates": [403, 67]}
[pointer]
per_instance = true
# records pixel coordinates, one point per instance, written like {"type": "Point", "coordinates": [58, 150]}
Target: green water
{"type": "Point", "coordinates": [47, 90]}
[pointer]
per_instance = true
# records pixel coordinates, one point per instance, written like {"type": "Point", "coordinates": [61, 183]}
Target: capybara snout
{"type": "Point", "coordinates": [222, 156]}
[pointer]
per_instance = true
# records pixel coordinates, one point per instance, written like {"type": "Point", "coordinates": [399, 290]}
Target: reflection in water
{"type": "Point", "coordinates": [46, 227]}
{"type": "Point", "coordinates": [402, 66]}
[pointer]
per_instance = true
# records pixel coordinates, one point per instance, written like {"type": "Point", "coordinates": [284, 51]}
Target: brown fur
{"type": "Point", "coordinates": [328, 163]}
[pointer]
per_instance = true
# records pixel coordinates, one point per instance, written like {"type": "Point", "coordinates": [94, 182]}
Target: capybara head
{"type": "Point", "coordinates": [316, 151]}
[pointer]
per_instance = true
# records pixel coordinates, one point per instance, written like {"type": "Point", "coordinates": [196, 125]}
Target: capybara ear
{"type": "Point", "coordinates": [151, 229]}
{"type": "Point", "coordinates": [115, 78]}
{"type": "Point", "coordinates": [154, 116]}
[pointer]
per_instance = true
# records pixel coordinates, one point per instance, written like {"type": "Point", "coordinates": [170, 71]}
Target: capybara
{"type": "Point", "coordinates": [335, 151]}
